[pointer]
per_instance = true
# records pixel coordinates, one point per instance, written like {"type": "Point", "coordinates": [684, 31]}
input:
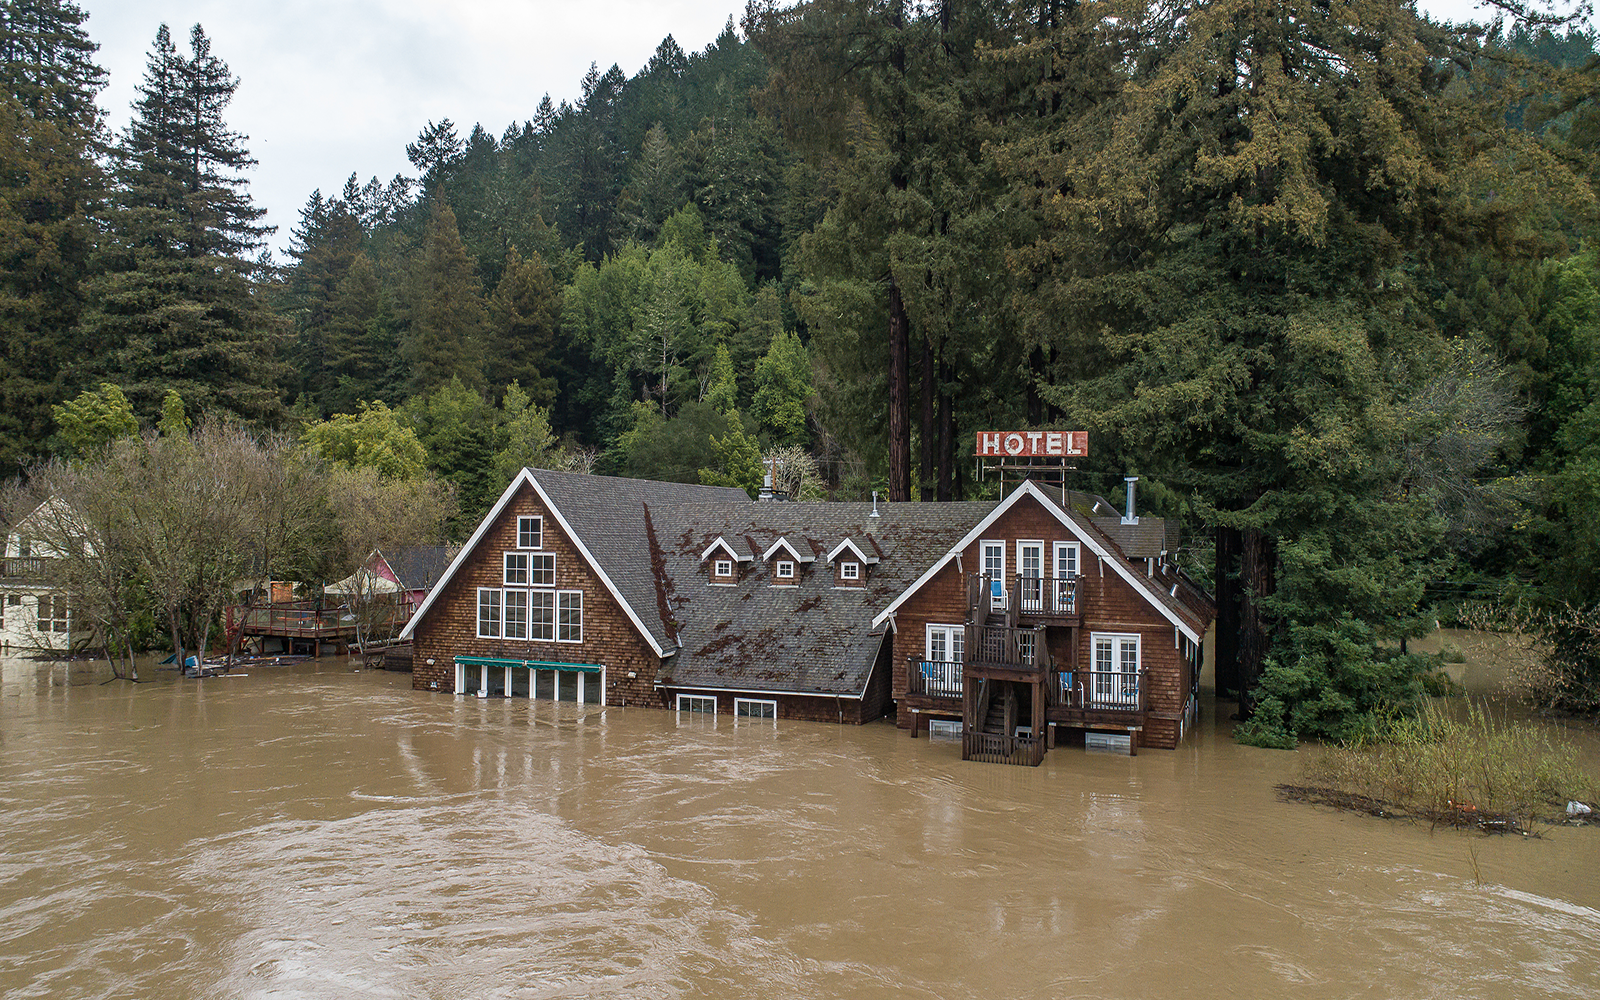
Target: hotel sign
{"type": "Point", "coordinates": [1033, 444]}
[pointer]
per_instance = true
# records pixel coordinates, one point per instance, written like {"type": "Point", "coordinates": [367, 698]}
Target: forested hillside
{"type": "Point", "coordinates": [1320, 274]}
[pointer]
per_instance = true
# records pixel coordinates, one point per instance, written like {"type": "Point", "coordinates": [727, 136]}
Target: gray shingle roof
{"type": "Point", "coordinates": [607, 514]}
{"type": "Point", "coordinates": [419, 567]}
{"type": "Point", "coordinates": [812, 637]}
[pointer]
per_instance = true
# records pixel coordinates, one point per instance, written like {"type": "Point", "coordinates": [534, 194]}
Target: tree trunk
{"type": "Point", "coordinates": [899, 397]}
{"type": "Point", "coordinates": [1227, 594]}
{"type": "Point", "coordinates": [947, 437]}
{"type": "Point", "coordinates": [1258, 579]}
{"type": "Point", "coordinates": [929, 439]}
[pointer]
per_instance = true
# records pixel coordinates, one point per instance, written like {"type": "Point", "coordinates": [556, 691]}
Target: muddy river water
{"type": "Point", "coordinates": [311, 831]}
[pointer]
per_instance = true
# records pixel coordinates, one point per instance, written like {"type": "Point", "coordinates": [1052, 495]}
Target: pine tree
{"type": "Point", "coordinates": [325, 244]}
{"type": "Point", "coordinates": [445, 335]}
{"type": "Point", "coordinates": [50, 138]}
{"type": "Point", "coordinates": [523, 318]}
{"type": "Point", "coordinates": [175, 306]}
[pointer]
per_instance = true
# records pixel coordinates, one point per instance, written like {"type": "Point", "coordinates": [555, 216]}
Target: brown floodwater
{"type": "Point", "coordinates": [311, 831]}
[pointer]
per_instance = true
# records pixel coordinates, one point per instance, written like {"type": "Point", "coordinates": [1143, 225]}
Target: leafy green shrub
{"type": "Point", "coordinates": [1444, 769]}
{"type": "Point", "coordinates": [1449, 652]}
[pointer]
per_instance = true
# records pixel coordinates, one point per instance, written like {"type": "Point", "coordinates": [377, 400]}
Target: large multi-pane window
{"type": "Point", "coordinates": [542, 615]}
{"type": "Point", "coordinates": [488, 614]}
{"type": "Point", "coordinates": [516, 614]}
{"type": "Point", "coordinates": [569, 616]}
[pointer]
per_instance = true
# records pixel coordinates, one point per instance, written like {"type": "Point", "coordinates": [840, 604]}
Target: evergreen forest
{"type": "Point", "coordinates": [1323, 275]}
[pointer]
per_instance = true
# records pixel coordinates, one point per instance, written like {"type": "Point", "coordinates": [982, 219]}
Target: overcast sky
{"type": "Point", "coordinates": [330, 87]}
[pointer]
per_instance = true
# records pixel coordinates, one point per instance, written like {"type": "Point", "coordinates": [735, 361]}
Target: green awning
{"type": "Point", "coordinates": [491, 661]}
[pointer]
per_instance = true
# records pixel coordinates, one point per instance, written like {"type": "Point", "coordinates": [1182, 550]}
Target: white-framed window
{"type": "Point", "coordinates": [542, 615]}
{"type": "Point", "coordinates": [994, 566]}
{"type": "Point", "coordinates": [516, 614]}
{"type": "Point", "coordinates": [52, 612]}
{"type": "Point", "coordinates": [754, 708]}
{"type": "Point", "coordinates": [488, 614]}
{"type": "Point", "coordinates": [946, 643]}
{"type": "Point", "coordinates": [849, 571]}
{"type": "Point", "coordinates": [944, 729]}
{"type": "Point", "coordinates": [1030, 567]}
{"type": "Point", "coordinates": [530, 532]}
{"type": "Point", "coordinates": [784, 569]}
{"type": "Point", "coordinates": [722, 568]}
{"type": "Point", "coordinates": [516, 564]}
{"type": "Point", "coordinates": [1115, 680]}
{"type": "Point", "coordinates": [542, 571]}
{"type": "Point", "coordinates": [569, 616]}
{"type": "Point", "coordinates": [700, 703]}
{"type": "Point", "coordinates": [1066, 560]}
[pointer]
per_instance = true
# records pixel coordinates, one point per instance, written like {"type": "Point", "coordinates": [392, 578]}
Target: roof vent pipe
{"type": "Point", "coordinates": [1130, 517]}
{"type": "Point", "coordinates": [875, 505]}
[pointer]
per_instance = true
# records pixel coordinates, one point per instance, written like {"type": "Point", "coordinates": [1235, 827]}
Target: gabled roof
{"type": "Point", "coordinates": [794, 553]}
{"type": "Point", "coordinates": [607, 520]}
{"type": "Point", "coordinates": [722, 543]}
{"type": "Point", "coordinates": [420, 567]}
{"type": "Point", "coordinates": [1096, 540]}
{"type": "Point", "coordinates": [848, 546]}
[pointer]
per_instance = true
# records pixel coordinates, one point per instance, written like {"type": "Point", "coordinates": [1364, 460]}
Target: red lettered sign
{"type": "Point", "coordinates": [1033, 444]}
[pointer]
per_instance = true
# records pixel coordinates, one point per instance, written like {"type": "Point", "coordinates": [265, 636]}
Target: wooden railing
{"type": "Point", "coordinates": [302, 618]}
{"type": "Point", "coordinates": [1044, 595]}
{"type": "Point", "coordinates": [996, 644]}
{"type": "Point", "coordinates": [993, 748]}
{"type": "Point", "coordinates": [1099, 690]}
{"type": "Point", "coordinates": [22, 567]}
{"type": "Point", "coordinates": [933, 678]}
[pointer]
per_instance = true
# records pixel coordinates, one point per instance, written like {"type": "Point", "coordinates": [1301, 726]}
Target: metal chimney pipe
{"type": "Point", "coordinates": [1130, 517]}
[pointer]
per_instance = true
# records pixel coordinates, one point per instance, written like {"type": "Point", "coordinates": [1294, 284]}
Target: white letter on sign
{"type": "Point", "coordinates": [1013, 443]}
{"type": "Point", "coordinates": [1052, 443]}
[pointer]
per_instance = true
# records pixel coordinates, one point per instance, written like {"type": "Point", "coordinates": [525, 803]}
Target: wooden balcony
{"type": "Point", "coordinates": [23, 567]}
{"type": "Point", "coordinates": [1098, 697]}
{"type": "Point", "coordinates": [934, 680]}
{"type": "Point", "coordinates": [1000, 652]}
{"type": "Point", "coordinates": [1044, 599]}
{"type": "Point", "coordinates": [296, 620]}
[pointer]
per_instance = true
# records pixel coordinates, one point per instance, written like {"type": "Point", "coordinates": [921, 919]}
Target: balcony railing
{"type": "Point", "coordinates": [22, 567]}
{"type": "Point", "coordinates": [996, 644]}
{"type": "Point", "coordinates": [993, 748]}
{"type": "Point", "coordinates": [934, 678]}
{"type": "Point", "coordinates": [1044, 595]}
{"type": "Point", "coordinates": [1099, 690]}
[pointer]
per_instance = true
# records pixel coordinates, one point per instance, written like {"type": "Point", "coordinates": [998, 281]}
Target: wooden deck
{"type": "Point", "coordinates": [302, 623]}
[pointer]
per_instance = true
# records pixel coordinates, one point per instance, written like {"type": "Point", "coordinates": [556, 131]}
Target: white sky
{"type": "Point", "coordinates": [328, 87]}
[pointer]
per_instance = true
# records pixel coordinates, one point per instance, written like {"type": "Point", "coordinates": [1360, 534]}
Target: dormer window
{"type": "Point", "coordinates": [784, 570]}
{"type": "Point", "coordinates": [724, 560]}
{"type": "Point", "coordinates": [850, 562]}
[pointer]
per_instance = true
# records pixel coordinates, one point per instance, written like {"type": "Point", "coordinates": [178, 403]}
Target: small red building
{"type": "Point", "coordinates": [1002, 620]}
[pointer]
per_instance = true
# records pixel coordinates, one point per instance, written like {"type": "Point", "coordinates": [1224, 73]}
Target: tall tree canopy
{"type": "Point", "coordinates": [175, 306]}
